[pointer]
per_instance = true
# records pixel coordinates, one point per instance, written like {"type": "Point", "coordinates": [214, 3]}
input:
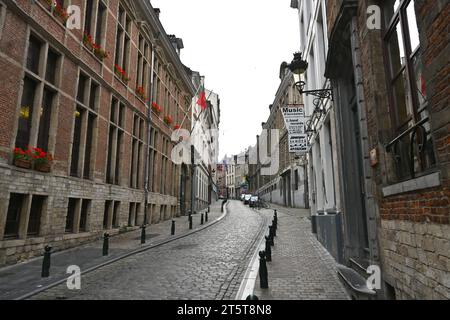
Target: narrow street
{"type": "Point", "coordinates": [206, 265]}
{"type": "Point", "coordinates": [156, 150]}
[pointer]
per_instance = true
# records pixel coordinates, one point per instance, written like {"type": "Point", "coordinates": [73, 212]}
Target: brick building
{"type": "Point", "coordinates": [391, 89]}
{"type": "Point", "coordinates": [84, 96]}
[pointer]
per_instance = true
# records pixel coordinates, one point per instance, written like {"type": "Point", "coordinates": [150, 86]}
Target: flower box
{"type": "Point", "coordinates": [22, 163]}
{"type": "Point", "coordinates": [156, 109]}
{"type": "Point", "coordinates": [141, 93]}
{"type": "Point", "coordinates": [121, 74]}
{"type": "Point", "coordinates": [42, 167]}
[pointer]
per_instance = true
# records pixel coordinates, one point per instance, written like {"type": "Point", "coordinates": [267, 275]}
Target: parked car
{"type": "Point", "coordinates": [242, 197]}
{"type": "Point", "coordinates": [254, 200]}
{"type": "Point", "coordinates": [247, 198]}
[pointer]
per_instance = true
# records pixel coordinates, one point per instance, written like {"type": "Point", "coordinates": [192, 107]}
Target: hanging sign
{"type": "Point", "coordinates": [295, 120]}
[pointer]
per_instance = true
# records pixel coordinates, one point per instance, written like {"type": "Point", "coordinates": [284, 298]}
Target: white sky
{"type": "Point", "coordinates": [238, 45]}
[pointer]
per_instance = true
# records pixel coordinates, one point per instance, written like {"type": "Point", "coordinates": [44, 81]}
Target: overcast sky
{"type": "Point", "coordinates": [238, 45]}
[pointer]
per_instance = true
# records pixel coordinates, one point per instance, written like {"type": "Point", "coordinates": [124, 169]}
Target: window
{"type": "Point", "coordinates": [13, 217]}
{"type": "Point", "coordinates": [106, 215]}
{"type": "Point", "coordinates": [143, 63]}
{"type": "Point", "coordinates": [408, 100]}
{"type": "Point", "coordinates": [116, 214]}
{"type": "Point", "coordinates": [41, 67]}
{"type": "Point", "coordinates": [95, 20]}
{"type": "Point", "coordinates": [85, 121]}
{"type": "Point", "coordinates": [136, 152]}
{"type": "Point", "coordinates": [26, 113]}
{"type": "Point", "coordinates": [85, 209]}
{"type": "Point", "coordinates": [34, 222]}
{"type": "Point", "coordinates": [45, 118]}
{"type": "Point", "coordinates": [115, 142]}
{"type": "Point", "coordinates": [123, 39]}
{"type": "Point", "coordinates": [133, 214]}
{"type": "Point", "coordinates": [71, 212]}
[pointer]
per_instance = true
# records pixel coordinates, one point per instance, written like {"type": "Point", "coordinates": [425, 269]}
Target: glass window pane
{"type": "Point", "coordinates": [34, 222]}
{"type": "Point", "coordinates": [34, 53]}
{"type": "Point", "coordinates": [403, 101]}
{"type": "Point", "coordinates": [390, 8]}
{"type": "Point", "coordinates": [396, 51]}
{"type": "Point", "coordinates": [52, 62]}
{"type": "Point", "coordinates": [44, 119]}
{"type": "Point", "coordinates": [412, 26]}
{"type": "Point", "coordinates": [76, 141]}
{"type": "Point", "coordinates": [26, 113]}
{"type": "Point", "coordinates": [13, 216]}
{"type": "Point", "coordinates": [421, 88]}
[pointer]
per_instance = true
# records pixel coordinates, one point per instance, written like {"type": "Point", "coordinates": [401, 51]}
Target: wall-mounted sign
{"type": "Point", "coordinates": [295, 120]}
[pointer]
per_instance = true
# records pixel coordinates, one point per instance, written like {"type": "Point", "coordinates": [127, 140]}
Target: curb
{"type": "Point", "coordinates": [126, 255]}
{"type": "Point", "coordinates": [248, 283]}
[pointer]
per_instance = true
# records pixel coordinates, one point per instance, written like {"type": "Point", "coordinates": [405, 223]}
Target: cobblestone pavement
{"type": "Point", "coordinates": [21, 279]}
{"type": "Point", "coordinates": [206, 265]}
{"type": "Point", "coordinates": [301, 268]}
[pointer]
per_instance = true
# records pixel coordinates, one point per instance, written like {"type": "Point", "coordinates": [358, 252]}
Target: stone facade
{"type": "Point", "coordinates": [100, 178]}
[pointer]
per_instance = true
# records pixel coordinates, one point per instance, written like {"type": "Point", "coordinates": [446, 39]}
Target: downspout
{"type": "Point", "coordinates": [147, 153]}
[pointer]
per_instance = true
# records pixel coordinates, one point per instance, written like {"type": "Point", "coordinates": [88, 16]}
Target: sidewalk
{"type": "Point", "coordinates": [301, 268]}
{"type": "Point", "coordinates": [22, 279]}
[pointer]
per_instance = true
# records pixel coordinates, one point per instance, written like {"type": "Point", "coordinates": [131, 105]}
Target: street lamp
{"type": "Point", "coordinates": [298, 66]}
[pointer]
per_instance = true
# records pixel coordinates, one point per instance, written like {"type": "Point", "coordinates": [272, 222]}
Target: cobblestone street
{"type": "Point", "coordinates": [206, 265]}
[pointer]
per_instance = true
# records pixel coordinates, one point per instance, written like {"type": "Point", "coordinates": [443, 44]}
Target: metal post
{"type": "Point", "coordinates": [190, 221]}
{"type": "Point", "coordinates": [173, 227]}
{"type": "Point", "coordinates": [274, 229]}
{"type": "Point", "coordinates": [206, 217]}
{"type": "Point", "coordinates": [201, 219]}
{"type": "Point", "coordinates": [271, 236]}
{"type": "Point", "coordinates": [46, 262]}
{"type": "Point", "coordinates": [143, 234]}
{"type": "Point", "coordinates": [105, 244]}
{"type": "Point", "coordinates": [263, 276]}
{"type": "Point", "coordinates": [268, 250]}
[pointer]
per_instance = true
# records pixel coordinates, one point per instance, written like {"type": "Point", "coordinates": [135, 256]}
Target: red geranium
{"type": "Point", "coordinates": [168, 120]}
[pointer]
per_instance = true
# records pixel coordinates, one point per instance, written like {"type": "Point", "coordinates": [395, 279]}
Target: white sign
{"type": "Point", "coordinates": [298, 143]}
{"type": "Point", "coordinates": [295, 120]}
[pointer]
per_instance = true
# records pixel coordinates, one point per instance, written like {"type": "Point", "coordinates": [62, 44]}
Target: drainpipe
{"type": "Point", "coordinates": [147, 153]}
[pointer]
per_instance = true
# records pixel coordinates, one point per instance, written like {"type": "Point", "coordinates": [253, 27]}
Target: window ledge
{"type": "Point", "coordinates": [425, 182]}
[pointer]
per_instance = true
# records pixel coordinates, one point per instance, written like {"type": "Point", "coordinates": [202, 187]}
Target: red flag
{"type": "Point", "coordinates": [202, 100]}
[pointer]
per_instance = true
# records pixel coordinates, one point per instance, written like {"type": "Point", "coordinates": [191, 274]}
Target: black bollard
{"type": "Point", "coordinates": [264, 282]}
{"type": "Point", "coordinates": [105, 244]}
{"type": "Point", "coordinates": [252, 297]}
{"type": "Point", "coordinates": [209, 209]}
{"type": "Point", "coordinates": [46, 262]}
{"type": "Point", "coordinates": [206, 217]}
{"type": "Point", "coordinates": [271, 236]}
{"type": "Point", "coordinates": [143, 234]}
{"type": "Point", "coordinates": [274, 229]}
{"type": "Point", "coordinates": [202, 219]}
{"type": "Point", "coordinates": [268, 250]}
{"type": "Point", "coordinates": [173, 227]}
{"type": "Point", "coordinates": [190, 221]}
{"type": "Point", "coordinates": [275, 216]}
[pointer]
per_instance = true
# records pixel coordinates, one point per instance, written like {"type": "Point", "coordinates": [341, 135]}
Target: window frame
{"type": "Point", "coordinates": [399, 18]}
{"type": "Point", "coordinates": [41, 86]}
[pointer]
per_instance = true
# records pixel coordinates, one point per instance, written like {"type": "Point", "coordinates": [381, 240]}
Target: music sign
{"type": "Point", "coordinates": [295, 120]}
